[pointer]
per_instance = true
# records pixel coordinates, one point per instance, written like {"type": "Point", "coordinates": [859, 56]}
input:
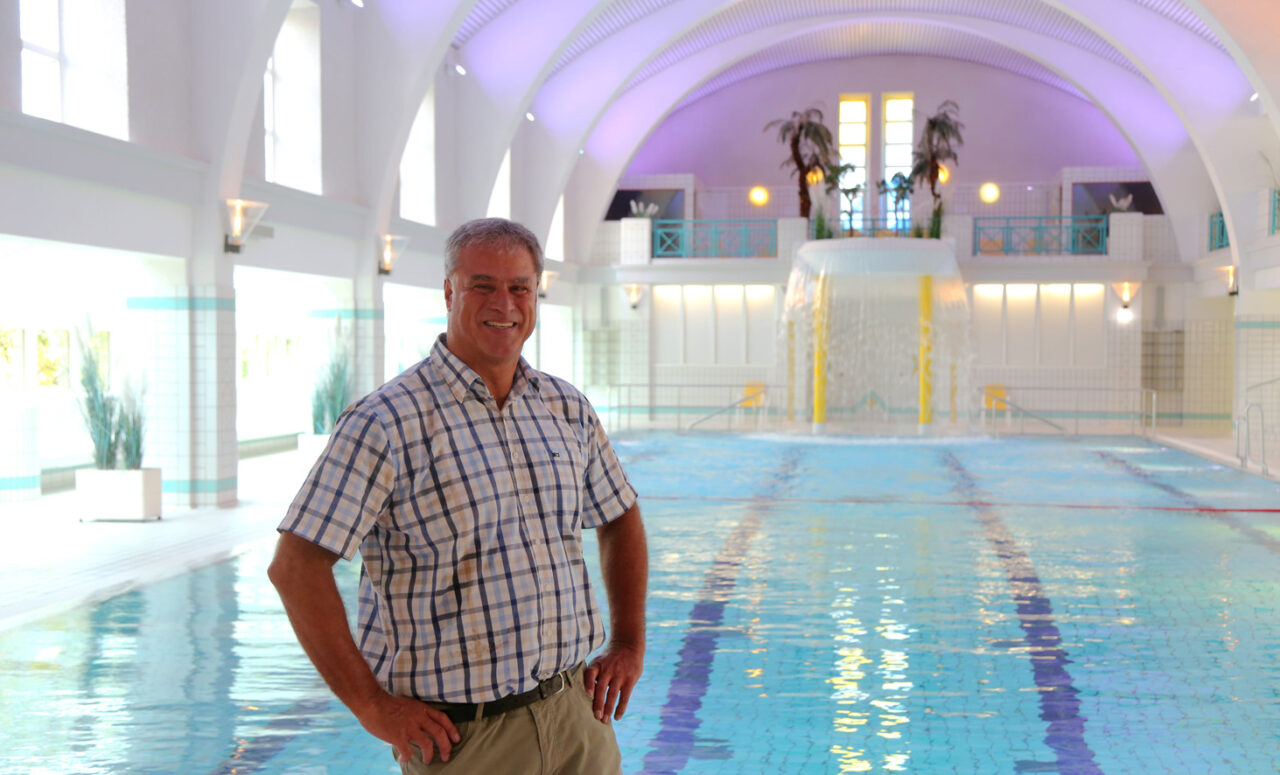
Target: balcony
{"type": "Point", "coordinates": [1078, 235]}
{"type": "Point", "coordinates": [756, 238]}
{"type": "Point", "coordinates": [1218, 232]}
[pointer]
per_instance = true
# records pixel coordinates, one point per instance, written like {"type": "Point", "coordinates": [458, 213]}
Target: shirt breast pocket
{"type": "Point", "coordinates": [556, 484]}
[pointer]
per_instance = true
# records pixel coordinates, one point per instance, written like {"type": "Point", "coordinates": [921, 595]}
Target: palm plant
{"type": "Point", "coordinates": [902, 188]}
{"type": "Point", "coordinates": [937, 144]}
{"type": "Point", "coordinates": [834, 174]}
{"type": "Point", "coordinates": [811, 145]}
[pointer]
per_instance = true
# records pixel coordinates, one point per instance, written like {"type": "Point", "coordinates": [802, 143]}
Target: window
{"type": "Point", "coordinates": [500, 197]}
{"type": "Point", "coordinates": [53, 358]}
{"type": "Point", "coordinates": [11, 355]}
{"type": "Point", "coordinates": [74, 63]}
{"type": "Point", "coordinates": [852, 139]}
{"type": "Point", "coordinates": [899, 134]}
{"type": "Point", "coordinates": [291, 102]}
{"type": "Point", "coordinates": [418, 166]}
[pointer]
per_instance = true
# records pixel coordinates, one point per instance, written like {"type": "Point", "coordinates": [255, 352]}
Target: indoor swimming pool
{"type": "Point", "coordinates": [832, 605]}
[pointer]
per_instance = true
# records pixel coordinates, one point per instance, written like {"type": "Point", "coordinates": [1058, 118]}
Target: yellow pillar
{"type": "Point", "coordinates": [953, 393]}
{"type": "Point", "coordinates": [821, 304]}
{"type": "Point", "coordinates": [926, 350]}
{"type": "Point", "coordinates": [791, 371]}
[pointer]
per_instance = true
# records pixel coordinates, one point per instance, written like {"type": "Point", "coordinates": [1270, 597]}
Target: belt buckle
{"type": "Point", "coordinates": [544, 687]}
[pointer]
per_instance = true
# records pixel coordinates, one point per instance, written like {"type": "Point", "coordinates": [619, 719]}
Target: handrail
{"type": "Point", "coordinates": [1040, 234]}
{"type": "Point", "coordinates": [736, 403]}
{"type": "Point", "coordinates": [1218, 237]}
{"type": "Point", "coordinates": [1247, 457]}
{"type": "Point", "coordinates": [1261, 384]}
{"type": "Point", "coordinates": [715, 238]}
{"type": "Point", "coordinates": [1005, 400]}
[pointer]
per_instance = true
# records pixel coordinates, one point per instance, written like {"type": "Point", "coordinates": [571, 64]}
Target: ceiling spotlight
{"type": "Point", "coordinates": [581, 151]}
{"type": "Point", "coordinates": [358, 3]}
{"type": "Point", "coordinates": [460, 70]}
{"type": "Point", "coordinates": [1253, 97]}
{"type": "Point", "coordinates": [528, 116]}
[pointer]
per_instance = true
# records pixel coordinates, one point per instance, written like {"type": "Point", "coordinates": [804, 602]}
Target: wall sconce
{"type": "Point", "coordinates": [635, 292]}
{"type": "Point", "coordinates": [389, 249]}
{"type": "Point", "coordinates": [758, 196]}
{"type": "Point", "coordinates": [1126, 291]}
{"type": "Point", "coordinates": [989, 193]}
{"type": "Point", "coordinates": [544, 284]}
{"type": "Point", "coordinates": [241, 216]}
{"type": "Point", "coordinates": [944, 174]}
{"type": "Point", "coordinates": [1232, 280]}
{"type": "Point", "coordinates": [815, 176]}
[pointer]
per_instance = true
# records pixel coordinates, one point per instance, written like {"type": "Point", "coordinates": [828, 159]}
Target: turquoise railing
{"type": "Point", "coordinates": [715, 238]}
{"type": "Point", "coordinates": [1275, 211]}
{"type": "Point", "coordinates": [865, 227]}
{"type": "Point", "coordinates": [1039, 234]}
{"type": "Point", "coordinates": [1218, 232]}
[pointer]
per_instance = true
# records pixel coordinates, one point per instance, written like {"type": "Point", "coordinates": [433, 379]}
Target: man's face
{"type": "Point", "coordinates": [492, 298]}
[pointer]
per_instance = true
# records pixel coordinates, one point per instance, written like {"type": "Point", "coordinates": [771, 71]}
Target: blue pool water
{"type": "Point", "coordinates": [816, 606]}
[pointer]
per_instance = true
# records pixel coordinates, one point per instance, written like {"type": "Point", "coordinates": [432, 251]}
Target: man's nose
{"type": "Point", "coordinates": [503, 298]}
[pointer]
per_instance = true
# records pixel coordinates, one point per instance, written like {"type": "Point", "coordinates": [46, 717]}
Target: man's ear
{"type": "Point", "coordinates": [448, 295]}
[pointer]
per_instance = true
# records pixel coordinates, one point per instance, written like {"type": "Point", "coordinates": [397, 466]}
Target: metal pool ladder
{"type": "Point", "coordinates": [1242, 431]}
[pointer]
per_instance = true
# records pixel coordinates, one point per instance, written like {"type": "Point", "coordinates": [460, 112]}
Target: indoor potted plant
{"type": "Point", "coordinates": [117, 487]}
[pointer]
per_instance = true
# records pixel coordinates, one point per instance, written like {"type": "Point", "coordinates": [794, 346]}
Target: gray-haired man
{"type": "Point", "coordinates": [465, 483]}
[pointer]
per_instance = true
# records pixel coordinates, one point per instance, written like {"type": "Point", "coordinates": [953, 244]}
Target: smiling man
{"type": "Point", "coordinates": [464, 484]}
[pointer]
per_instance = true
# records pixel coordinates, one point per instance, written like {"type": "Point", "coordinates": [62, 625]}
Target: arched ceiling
{"type": "Point", "coordinates": [880, 39]}
{"type": "Point", "coordinates": [752, 14]}
{"type": "Point", "coordinates": [897, 34]}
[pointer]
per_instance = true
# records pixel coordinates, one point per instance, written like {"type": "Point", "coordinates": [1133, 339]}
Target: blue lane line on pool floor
{"type": "Point", "coordinates": [676, 739]}
{"type": "Point", "coordinates": [1255, 535]}
{"type": "Point", "coordinates": [1059, 698]}
{"type": "Point", "coordinates": [255, 753]}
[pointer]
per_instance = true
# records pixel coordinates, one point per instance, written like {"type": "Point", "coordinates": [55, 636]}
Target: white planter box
{"type": "Point", "coordinates": [118, 495]}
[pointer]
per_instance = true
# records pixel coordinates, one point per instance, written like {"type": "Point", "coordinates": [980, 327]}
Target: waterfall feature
{"type": "Point", "coordinates": [875, 338]}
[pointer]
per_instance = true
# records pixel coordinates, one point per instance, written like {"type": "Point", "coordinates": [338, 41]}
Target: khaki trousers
{"type": "Point", "coordinates": [555, 736]}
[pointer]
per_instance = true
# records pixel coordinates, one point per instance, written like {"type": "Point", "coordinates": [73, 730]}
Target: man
{"type": "Point", "coordinates": [465, 483]}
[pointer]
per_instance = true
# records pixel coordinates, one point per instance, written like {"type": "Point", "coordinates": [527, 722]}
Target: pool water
{"type": "Point", "coordinates": [833, 605]}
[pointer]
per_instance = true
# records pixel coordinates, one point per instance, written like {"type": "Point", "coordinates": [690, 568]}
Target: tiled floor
{"type": "Point", "coordinates": [54, 561]}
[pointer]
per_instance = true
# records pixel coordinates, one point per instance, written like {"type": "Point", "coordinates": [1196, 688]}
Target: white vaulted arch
{"type": "Point", "coordinates": [1133, 105]}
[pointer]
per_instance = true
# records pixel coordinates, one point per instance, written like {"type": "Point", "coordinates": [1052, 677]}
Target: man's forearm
{"type": "Point", "coordinates": [304, 580]}
{"type": "Point", "coordinates": [624, 564]}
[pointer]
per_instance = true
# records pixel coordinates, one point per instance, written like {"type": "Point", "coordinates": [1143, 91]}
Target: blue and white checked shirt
{"type": "Point", "coordinates": [469, 523]}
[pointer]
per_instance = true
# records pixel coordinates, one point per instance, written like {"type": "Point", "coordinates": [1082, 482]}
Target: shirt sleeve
{"type": "Point", "coordinates": [608, 493]}
{"type": "Point", "coordinates": [348, 488]}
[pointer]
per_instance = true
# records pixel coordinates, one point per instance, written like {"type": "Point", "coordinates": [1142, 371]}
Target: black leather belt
{"type": "Point", "coordinates": [461, 711]}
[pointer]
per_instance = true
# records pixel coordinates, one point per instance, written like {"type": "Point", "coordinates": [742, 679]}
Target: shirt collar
{"type": "Point", "coordinates": [463, 380]}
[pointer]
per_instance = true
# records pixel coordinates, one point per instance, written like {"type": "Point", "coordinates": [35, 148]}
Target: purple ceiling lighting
{"type": "Point", "coordinates": [883, 39]}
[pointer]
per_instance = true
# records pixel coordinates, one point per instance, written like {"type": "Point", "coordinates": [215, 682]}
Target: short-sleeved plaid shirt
{"type": "Point", "coordinates": [469, 523]}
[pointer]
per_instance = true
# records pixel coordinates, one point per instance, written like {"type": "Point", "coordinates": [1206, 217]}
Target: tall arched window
{"type": "Point", "coordinates": [418, 166]}
{"type": "Point", "coordinates": [291, 102]}
{"type": "Point", "coordinates": [74, 63]}
{"type": "Point", "coordinates": [500, 197]}
{"type": "Point", "coordinates": [899, 136]}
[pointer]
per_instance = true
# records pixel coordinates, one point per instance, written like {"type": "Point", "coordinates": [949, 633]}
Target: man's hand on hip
{"type": "Point", "coordinates": [610, 678]}
{"type": "Point", "coordinates": [401, 721]}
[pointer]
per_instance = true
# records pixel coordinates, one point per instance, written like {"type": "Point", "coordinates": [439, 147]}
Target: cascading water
{"type": "Point", "coordinates": [858, 302]}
